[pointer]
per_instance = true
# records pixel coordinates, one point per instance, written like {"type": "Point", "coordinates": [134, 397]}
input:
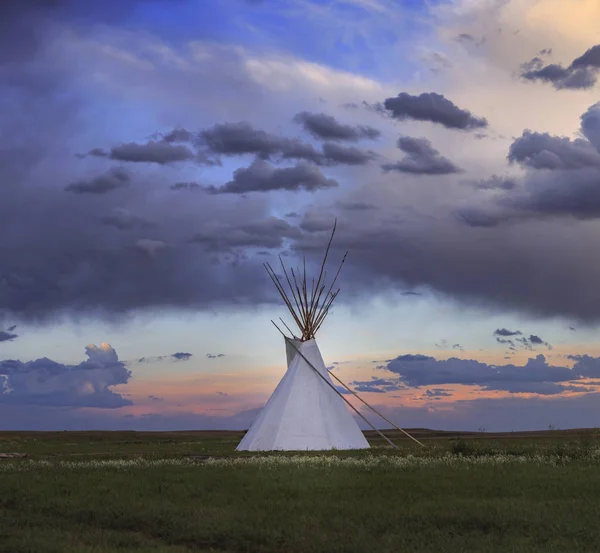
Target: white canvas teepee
{"type": "Point", "coordinates": [306, 411]}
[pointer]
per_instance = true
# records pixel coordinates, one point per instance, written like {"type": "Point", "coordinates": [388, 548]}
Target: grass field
{"type": "Point", "coordinates": [189, 491]}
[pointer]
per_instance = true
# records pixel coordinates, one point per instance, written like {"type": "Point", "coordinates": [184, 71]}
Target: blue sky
{"type": "Point", "coordinates": [444, 261]}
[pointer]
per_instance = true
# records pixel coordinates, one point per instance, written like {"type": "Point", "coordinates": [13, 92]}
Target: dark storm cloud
{"type": "Point", "coordinates": [152, 152]}
{"type": "Point", "coordinates": [563, 178]}
{"type": "Point", "coordinates": [79, 269]}
{"type": "Point", "coordinates": [7, 336]}
{"type": "Point", "coordinates": [316, 221]}
{"type": "Point", "coordinates": [327, 127]}
{"type": "Point", "coordinates": [185, 186]}
{"type": "Point", "coordinates": [421, 159]}
{"type": "Point", "coordinates": [434, 108]}
{"type": "Point", "coordinates": [581, 74]}
{"type": "Point", "coordinates": [46, 382]}
{"type": "Point", "coordinates": [57, 255]}
{"type": "Point", "coordinates": [241, 138]}
{"type": "Point", "coordinates": [421, 370]}
{"type": "Point", "coordinates": [269, 233]}
{"type": "Point", "coordinates": [587, 366]}
{"type": "Point", "coordinates": [261, 176]}
{"type": "Point", "coordinates": [590, 125]}
{"type": "Point", "coordinates": [95, 152]}
{"type": "Point", "coordinates": [544, 151]}
{"type": "Point", "coordinates": [567, 194]}
{"type": "Point", "coordinates": [506, 332]}
{"type": "Point", "coordinates": [178, 135]}
{"type": "Point", "coordinates": [348, 155]}
{"type": "Point", "coordinates": [123, 219]}
{"type": "Point", "coordinates": [181, 356]}
{"type": "Point", "coordinates": [512, 268]}
{"type": "Point", "coordinates": [437, 392]}
{"type": "Point", "coordinates": [494, 183]}
{"type": "Point", "coordinates": [111, 180]}
{"type": "Point", "coordinates": [474, 216]}
{"type": "Point", "coordinates": [591, 58]}
{"type": "Point", "coordinates": [377, 385]}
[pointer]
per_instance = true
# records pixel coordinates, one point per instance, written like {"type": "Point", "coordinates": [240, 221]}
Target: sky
{"type": "Point", "coordinates": [154, 154]}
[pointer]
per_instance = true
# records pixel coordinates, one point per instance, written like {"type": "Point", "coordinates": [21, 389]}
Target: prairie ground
{"type": "Point", "coordinates": [189, 491]}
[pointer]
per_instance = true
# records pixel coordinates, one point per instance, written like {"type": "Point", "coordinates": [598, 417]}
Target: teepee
{"type": "Point", "coordinates": [306, 411]}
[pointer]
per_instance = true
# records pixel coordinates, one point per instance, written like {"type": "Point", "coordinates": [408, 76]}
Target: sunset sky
{"type": "Point", "coordinates": [155, 153]}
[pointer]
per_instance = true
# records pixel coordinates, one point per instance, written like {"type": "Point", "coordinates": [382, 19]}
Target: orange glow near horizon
{"type": "Point", "coordinates": [228, 393]}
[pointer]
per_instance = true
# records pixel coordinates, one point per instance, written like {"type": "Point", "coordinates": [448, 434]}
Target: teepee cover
{"type": "Point", "coordinates": [304, 413]}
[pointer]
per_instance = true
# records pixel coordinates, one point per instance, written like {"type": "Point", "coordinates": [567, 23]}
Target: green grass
{"type": "Point", "coordinates": [137, 492]}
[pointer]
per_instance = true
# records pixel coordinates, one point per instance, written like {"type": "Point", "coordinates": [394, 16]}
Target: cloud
{"type": "Point", "coordinates": [544, 151]}
{"type": "Point", "coordinates": [356, 206]}
{"type": "Point", "coordinates": [437, 393]}
{"type": "Point", "coordinates": [178, 135]}
{"type": "Point", "coordinates": [348, 155]}
{"type": "Point", "coordinates": [46, 382]}
{"type": "Point", "coordinates": [506, 332]}
{"type": "Point", "coordinates": [269, 233]}
{"type": "Point", "coordinates": [58, 257]}
{"type": "Point", "coordinates": [261, 176]}
{"type": "Point", "coordinates": [217, 356]}
{"type": "Point", "coordinates": [432, 107]}
{"type": "Point", "coordinates": [7, 336]}
{"type": "Point", "coordinates": [112, 179]}
{"type": "Point", "coordinates": [421, 370]}
{"type": "Point", "coordinates": [559, 76]}
{"type": "Point", "coordinates": [152, 152]}
{"type": "Point", "coordinates": [326, 127]}
{"type": "Point", "coordinates": [155, 398]}
{"type": "Point", "coordinates": [123, 219]}
{"type": "Point", "coordinates": [241, 138]}
{"type": "Point", "coordinates": [561, 180]}
{"type": "Point", "coordinates": [185, 186]}
{"type": "Point", "coordinates": [181, 356]}
{"type": "Point", "coordinates": [377, 385]}
{"type": "Point", "coordinates": [495, 182]}
{"type": "Point", "coordinates": [421, 159]}
{"type": "Point", "coordinates": [590, 125]}
{"type": "Point", "coordinates": [581, 74]}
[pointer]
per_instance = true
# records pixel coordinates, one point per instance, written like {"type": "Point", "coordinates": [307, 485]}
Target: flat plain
{"type": "Point", "coordinates": [190, 491]}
